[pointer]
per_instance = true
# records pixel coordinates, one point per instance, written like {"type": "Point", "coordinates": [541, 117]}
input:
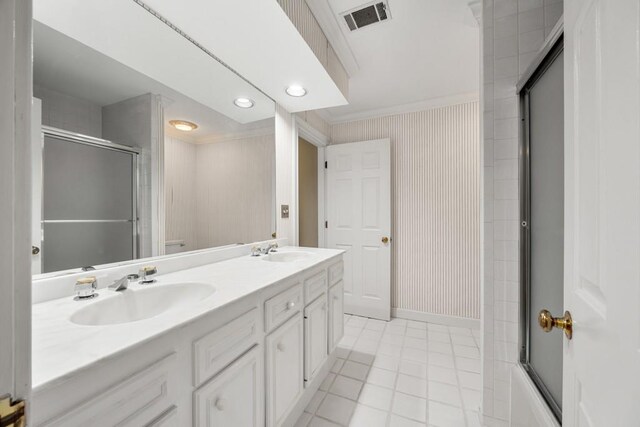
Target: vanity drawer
{"type": "Point", "coordinates": [222, 346]}
{"type": "Point", "coordinates": [168, 418]}
{"type": "Point", "coordinates": [132, 402]}
{"type": "Point", "coordinates": [335, 273]}
{"type": "Point", "coordinates": [282, 306]}
{"type": "Point", "coordinates": [314, 286]}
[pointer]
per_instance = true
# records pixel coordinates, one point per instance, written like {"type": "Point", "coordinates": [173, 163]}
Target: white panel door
{"type": "Point", "coordinates": [602, 213]}
{"type": "Point", "coordinates": [359, 221]}
{"type": "Point", "coordinates": [15, 203]}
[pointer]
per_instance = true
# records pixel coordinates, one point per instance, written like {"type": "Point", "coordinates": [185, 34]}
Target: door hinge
{"type": "Point", "coordinates": [12, 413]}
{"type": "Point", "coordinates": [326, 165]}
{"type": "Point", "coordinates": [326, 224]}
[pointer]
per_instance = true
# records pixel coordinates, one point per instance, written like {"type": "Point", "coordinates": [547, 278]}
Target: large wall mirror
{"type": "Point", "coordinates": [144, 143]}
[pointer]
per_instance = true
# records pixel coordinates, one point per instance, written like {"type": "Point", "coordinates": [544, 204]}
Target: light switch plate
{"type": "Point", "coordinates": [284, 211]}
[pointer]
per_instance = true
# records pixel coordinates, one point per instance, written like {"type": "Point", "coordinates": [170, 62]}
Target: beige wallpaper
{"type": "Point", "coordinates": [220, 193]}
{"type": "Point", "coordinates": [435, 193]}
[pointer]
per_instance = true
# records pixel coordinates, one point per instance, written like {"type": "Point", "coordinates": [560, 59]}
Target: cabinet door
{"type": "Point", "coordinates": [233, 397]}
{"type": "Point", "coordinates": [315, 336]}
{"type": "Point", "coordinates": [284, 370]}
{"type": "Point", "coordinates": [336, 315]}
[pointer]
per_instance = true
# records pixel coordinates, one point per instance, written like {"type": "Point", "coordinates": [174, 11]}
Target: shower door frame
{"type": "Point", "coordinates": [553, 47]}
{"type": "Point", "coordinates": [78, 138]}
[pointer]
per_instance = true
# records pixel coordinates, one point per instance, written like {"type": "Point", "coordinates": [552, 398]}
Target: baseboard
{"type": "Point", "coordinates": [421, 316]}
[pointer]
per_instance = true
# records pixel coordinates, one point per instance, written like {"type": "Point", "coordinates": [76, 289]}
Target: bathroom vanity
{"type": "Point", "coordinates": [222, 338]}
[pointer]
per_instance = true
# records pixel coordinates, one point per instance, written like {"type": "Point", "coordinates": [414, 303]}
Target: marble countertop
{"type": "Point", "coordinates": [61, 348]}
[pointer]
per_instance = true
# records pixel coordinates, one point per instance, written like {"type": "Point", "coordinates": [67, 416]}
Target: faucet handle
{"type": "Point", "coordinates": [255, 250]}
{"type": "Point", "coordinates": [85, 287]}
{"type": "Point", "coordinates": [147, 271]}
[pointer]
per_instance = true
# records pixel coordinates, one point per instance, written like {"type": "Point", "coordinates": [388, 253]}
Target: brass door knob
{"type": "Point", "coordinates": [547, 322]}
{"type": "Point", "coordinates": [385, 240]}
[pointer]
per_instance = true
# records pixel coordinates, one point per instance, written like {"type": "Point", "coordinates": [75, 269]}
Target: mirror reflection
{"type": "Point", "coordinates": [144, 144]}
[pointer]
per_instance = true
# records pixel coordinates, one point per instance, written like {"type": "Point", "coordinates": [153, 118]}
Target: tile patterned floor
{"type": "Point", "coordinates": [400, 373]}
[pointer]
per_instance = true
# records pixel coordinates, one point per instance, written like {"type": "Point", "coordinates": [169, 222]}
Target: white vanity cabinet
{"type": "Point", "coordinates": [233, 397]}
{"type": "Point", "coordinates": [255, 361]}
{"type": "Point", "coordinates": [336, 314]}
{"type": "Point", "coordinates": [284, 363]}
{"type": "Point", "coordinates": [315, 336]}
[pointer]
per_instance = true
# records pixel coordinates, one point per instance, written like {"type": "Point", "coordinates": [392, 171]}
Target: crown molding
{"type": "Point", "coordinates": [236, 135]}
{"type": "Point", "coordinates": [413, 107]}
{"type": "Point", "coordinates": [329, 24]}
{"type": "Point", "coordinates": [310, 133]}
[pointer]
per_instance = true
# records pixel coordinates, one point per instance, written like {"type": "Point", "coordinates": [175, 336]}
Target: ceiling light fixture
{"type": "Point", "coordinates": [243, 102]}
{"type": "Point", "coordinates": [183, 125]}
{"type": "Point", "coordinates": [296, 90]}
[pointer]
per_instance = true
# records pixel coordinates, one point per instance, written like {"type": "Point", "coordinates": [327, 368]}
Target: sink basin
{"type": "Point", "coordinates": [287, 256]}
{"type": "Point", "coordinates": [142, 303]}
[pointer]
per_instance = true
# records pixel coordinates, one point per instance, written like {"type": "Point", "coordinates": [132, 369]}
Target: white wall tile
{"type": "Point", "coordinates": [531, 20]}
{"type": "Point", "coordinates": [531, 41]}
{"type": "Point", "coordinates": [504, 47]}
{"type": "Point", "coordinates": [525, 5]}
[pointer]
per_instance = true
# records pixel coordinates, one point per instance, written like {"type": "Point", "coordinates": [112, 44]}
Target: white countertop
{"type": "Point", "coordinates": [61, 348]}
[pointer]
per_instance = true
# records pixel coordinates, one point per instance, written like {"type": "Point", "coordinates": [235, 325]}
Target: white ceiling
{"type": "Point", "coordinates": [70, 67]}
{"type": "Point", "coordinates": [426, 54]}
{"type": "Point", "coordinates": [257, 39]}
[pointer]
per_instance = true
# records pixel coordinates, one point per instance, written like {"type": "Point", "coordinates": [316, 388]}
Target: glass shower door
{"type": "Point", "coordinates": [88, 204]}
{"type": "Point", "coordinates": [543, 223]}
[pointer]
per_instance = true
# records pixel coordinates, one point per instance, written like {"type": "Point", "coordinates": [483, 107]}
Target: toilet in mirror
{"type": "Point", "coordinates": [143, 149]}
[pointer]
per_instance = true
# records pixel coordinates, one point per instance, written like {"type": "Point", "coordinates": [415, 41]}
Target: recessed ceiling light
{"type": "Point", "coordinates": [183, 125]}
{"type": "Point", "coordinates": [243, 102]}
{"type": "Point", "coordinates": [296, 90]}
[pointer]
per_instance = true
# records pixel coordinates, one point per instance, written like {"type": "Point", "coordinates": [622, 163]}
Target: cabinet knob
{"type": "Point", "coordinates": [220, 404]}
{"type": "Point", "coordinates": [290, 305]}
{"type": "Point", "coordinates": [280, 346]}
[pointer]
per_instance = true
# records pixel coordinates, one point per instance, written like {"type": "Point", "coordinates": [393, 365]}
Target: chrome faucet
{"type": "Point", "coordinates": [85, 288]}
{"type": "Point", "coordinates": [257, 250]}
{"type": "Point", "coordinates": [123, 283]}
{"type": "Point", "coordinates": [270, 248]}
{"type": "Point", "coordinates": [145, 272]}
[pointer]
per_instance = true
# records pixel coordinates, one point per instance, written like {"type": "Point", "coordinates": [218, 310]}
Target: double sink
{"type": "Point", "coordinates": [142, 303]}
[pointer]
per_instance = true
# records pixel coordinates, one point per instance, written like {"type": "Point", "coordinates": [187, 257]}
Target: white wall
{"type": "Point", "coordinates": [435, 194]}
{"type": "Point", "coordinates": [137, 122]}
{"type": "Point", "coordinates": [512, 32]}
{"type": "Point", "coordinates": [66, 112]}
{"type": "Point", "coordinates": [285, 172]}
{"type": "Point", "coordinates": [219, 193]}
{"type": "Point", "coordinates": [180, 197]}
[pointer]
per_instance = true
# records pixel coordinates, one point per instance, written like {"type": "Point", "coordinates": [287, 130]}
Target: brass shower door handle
{"type": "Point", "coordinates": [547, 322]}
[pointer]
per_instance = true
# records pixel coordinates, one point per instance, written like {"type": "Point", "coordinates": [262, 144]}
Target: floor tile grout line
{"type": "Point", "coordinates": [376, 335]}
{"type": "Point", "coordinates": [459, 387]}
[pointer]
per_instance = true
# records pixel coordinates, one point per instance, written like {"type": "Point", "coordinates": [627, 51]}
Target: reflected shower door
{"type": "Point", "coordinates": [88, 204]}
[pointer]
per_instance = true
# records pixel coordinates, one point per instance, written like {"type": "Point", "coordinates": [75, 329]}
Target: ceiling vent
{"type": "Point", "coordinates": [367, 15]}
